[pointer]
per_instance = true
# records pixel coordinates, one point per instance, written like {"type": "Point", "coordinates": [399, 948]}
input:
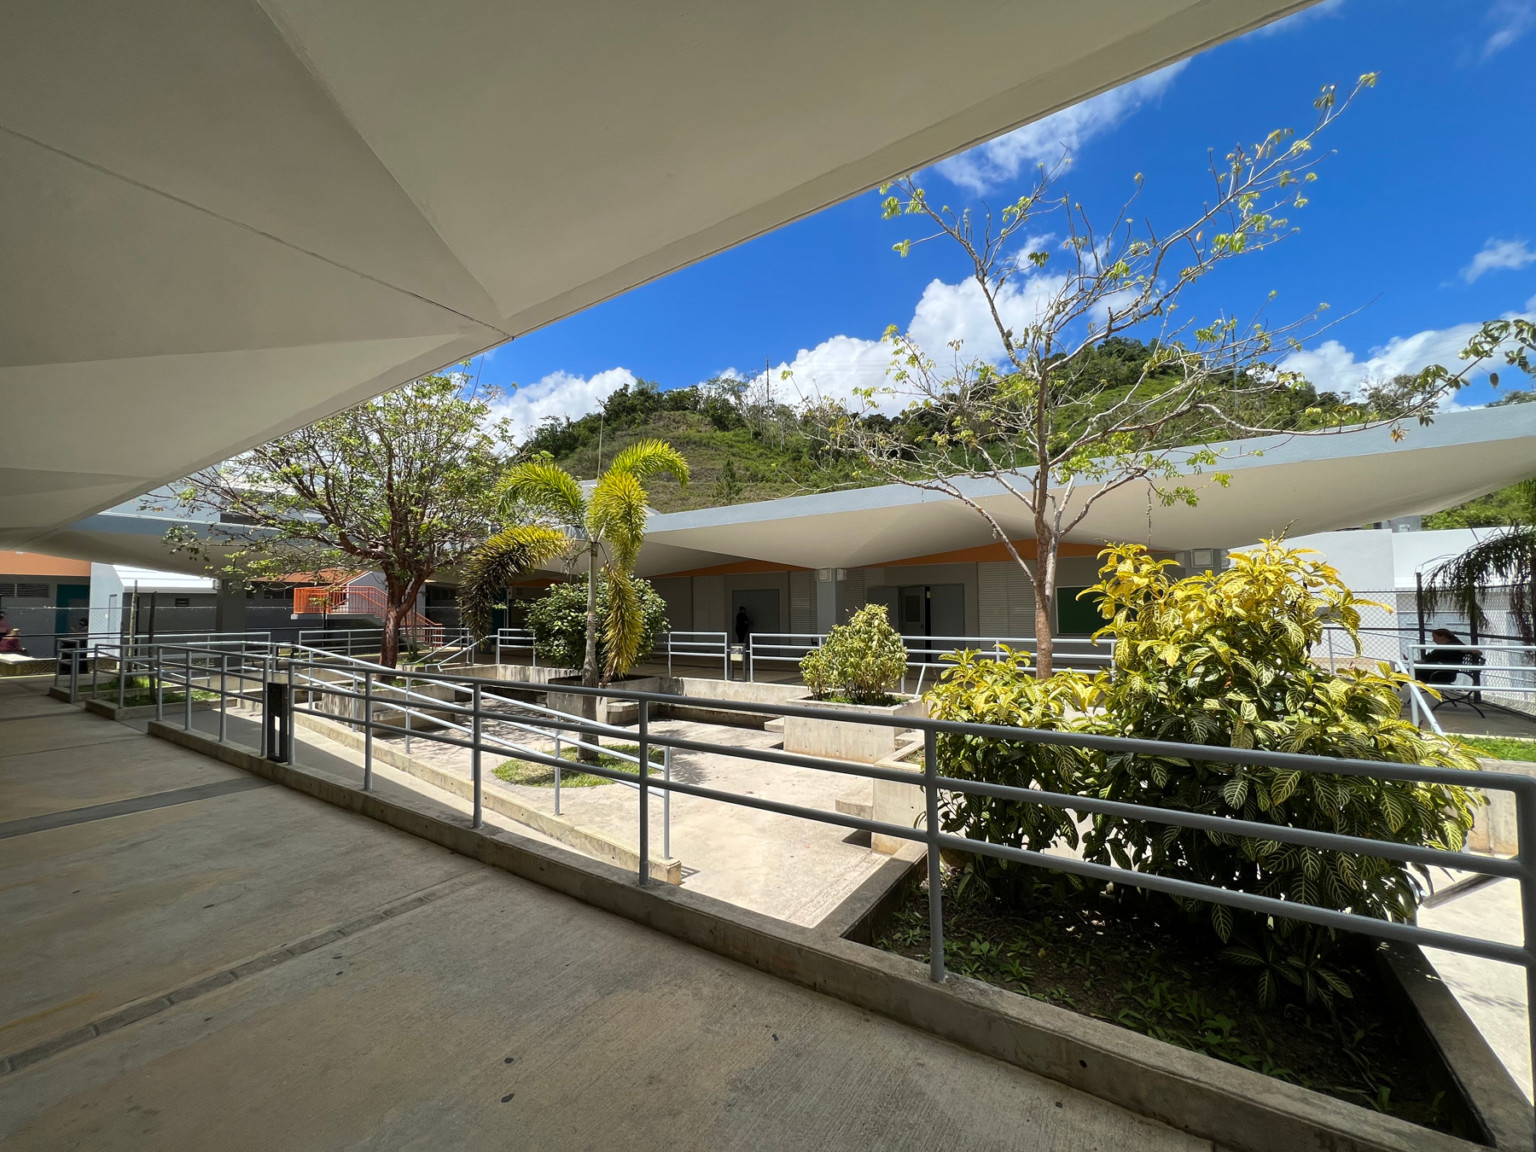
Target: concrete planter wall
{"type": "Point", "coordinates": [847, 739]}
{"type": "Point", "coordinates": [1493, 826]}
{"type": "Point", "coordinates": [609, 710]}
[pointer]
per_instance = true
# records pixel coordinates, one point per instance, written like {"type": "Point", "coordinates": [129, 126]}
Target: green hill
{"type": "Point", "coordinates": [738, 450]}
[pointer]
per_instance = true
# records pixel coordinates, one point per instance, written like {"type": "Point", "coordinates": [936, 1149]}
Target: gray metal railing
{"type": "Point", "coordinates": [930, 652]}
{"type": "Point", "coordinates": [193, 668]}
{"type": "Point", "coordinates": [710, 645]}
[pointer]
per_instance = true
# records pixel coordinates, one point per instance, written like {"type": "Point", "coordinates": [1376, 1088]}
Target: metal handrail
{"type": "Point", "coordinates": [173, 661]}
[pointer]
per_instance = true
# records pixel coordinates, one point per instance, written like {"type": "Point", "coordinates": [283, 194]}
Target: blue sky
{"type": "Point", "coordinates": [1423, 221]}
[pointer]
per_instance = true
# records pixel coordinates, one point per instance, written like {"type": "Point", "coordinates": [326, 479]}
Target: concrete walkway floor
{"type": "Point", "coordinates": [192, 958]}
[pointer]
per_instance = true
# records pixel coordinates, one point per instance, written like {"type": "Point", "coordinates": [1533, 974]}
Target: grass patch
{"type": "Point", "coordinates": [1499, 747]}
{"type": "Point", "coordinates": [1142, 967]}
{"type": "Point", "coordinates": [543, 775]}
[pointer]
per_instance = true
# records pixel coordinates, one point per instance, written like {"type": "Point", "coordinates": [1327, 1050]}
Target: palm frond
{"type": "Point", "coordinates": [645, 458]}
{"type": "Point", "coordinates": [543, 486]}
{"type": "Point", "coordinates": [624, 627]}
{"type": "Point", "coordinates": [1508, 558]}
{"type": "Point", "coordinates": [510, 554]}
{"type": "Point", "coordinates": [616, 514]}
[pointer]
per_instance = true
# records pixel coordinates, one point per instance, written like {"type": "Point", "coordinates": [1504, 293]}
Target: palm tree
{"type": "Point", "coordinates": [611, 518]}
{"type": "Point", "coordinates": [1507, 559]}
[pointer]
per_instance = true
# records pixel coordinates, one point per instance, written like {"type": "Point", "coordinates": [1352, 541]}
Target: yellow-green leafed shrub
{"type": "Point", "coordinates": [1225, 659]}
{"type": "Point", "coordinates": [859, 662]}
{"type": "Point", "coordinates": [981, 689]}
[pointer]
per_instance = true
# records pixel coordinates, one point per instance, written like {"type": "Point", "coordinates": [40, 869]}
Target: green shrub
{"type": "Point", "coordinates": [859, 662]}
{"type": "Point", "coordinates": [981, 689]}
{"type": "Point", "coordinates": [559, 622]}
{"type": "Point", "coordinates": [1225, 659]}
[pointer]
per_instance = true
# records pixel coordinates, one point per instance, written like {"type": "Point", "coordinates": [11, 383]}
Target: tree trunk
{"type": "Point", "coordinates": [589, 671]}
{"type": "Point", "coordinates": [1044, 580]}
{"type": "Point", "coordinates": [394, 616]}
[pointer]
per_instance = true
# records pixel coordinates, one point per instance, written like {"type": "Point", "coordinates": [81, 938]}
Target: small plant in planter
{"type": "Point", "coordinates": [860, 662]}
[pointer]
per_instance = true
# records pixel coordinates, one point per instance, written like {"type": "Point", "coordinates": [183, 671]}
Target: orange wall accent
{"type": "Point", "coordinates": [36, 564]}
{"type": "Point", "coordinates": [740, 568]}
{"type": "Point", "coordinates": [993, 551]}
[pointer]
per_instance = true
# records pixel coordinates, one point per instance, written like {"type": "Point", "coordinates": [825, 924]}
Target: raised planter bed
{"type": "Point", "coordinates": [173, 708]}
{"type": "Point", "coordinates": [848, 739]}
{"type": "Point", "coordinates": [1167, 986]}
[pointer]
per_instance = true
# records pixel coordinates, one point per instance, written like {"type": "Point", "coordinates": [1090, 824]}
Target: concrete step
{"type": "Point", "coordinates": [861, 806]}
{"type": "Point", "coordinates": [774, 725]}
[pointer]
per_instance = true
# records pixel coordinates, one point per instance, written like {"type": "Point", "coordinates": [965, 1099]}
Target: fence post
{"type": "Point", "coordinates": [1525, 816]}
{"type": "Point", "coordinates": [935, 874]}
{"type": "Point", "coordinates": [367, 729]}
{"type": "Point", "coordinates": [645, 791]}
{"type": "Point", "coordinates": [288, 735]}
{"type": "Point", "coordinates": [475, 753]}
{"type": "Point", "coordinates": [186, 692]}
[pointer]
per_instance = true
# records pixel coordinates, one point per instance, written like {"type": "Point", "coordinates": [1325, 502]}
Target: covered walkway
{"type": "Point", "coordinates": [195, 958]}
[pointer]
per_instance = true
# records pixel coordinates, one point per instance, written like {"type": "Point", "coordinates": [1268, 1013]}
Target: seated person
{"type": "Point", "coordinates": [11, 642]}
{"type": "Point", "coordinates": [1444, 655]}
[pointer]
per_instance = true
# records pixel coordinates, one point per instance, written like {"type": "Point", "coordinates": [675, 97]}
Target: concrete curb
{"type": "Point", "coordinates": [140, 711]}
{"type": "Point", "coordinates": [1238, 1110]}
{"type": "Point", "coordinates": [1484, 1083]}
{"type": "Point", "coordinates": [669, 870]}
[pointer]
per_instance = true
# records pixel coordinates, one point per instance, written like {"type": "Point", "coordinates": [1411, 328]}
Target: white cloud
{"type": "Point", "coordinates": [1498, 255]}
{"type": "Point", "coordinates": [834, 370]}
{"type": "Point", "coordinates": [1042, 142]}
{"type": "Point", "coordinates": [1511, 19]}
{"type": "Point", "coordinates": [558, 395]}
{"type": "Point", "coordinates": [1332, 367]}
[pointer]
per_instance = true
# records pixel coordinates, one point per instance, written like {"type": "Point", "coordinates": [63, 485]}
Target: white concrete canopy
{"type": "Point", "coordinates": [225, 219]}
{"type": "Point", "coordinates": [1276, 485]}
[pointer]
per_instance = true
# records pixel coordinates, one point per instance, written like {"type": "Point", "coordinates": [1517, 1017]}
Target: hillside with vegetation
{"type": "Point", "coordinates": [742, 445]}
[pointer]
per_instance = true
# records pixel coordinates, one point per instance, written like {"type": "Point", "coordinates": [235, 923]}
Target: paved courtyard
{"type": "Point", "coordinates": [194, 959]}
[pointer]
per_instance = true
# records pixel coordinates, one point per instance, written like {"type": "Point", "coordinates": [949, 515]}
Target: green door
{"type": "Point", "coordinates": [73, 613]}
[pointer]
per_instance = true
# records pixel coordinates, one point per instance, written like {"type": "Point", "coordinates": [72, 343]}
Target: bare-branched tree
{"type": "Point", "coordinates": [1040, 419]}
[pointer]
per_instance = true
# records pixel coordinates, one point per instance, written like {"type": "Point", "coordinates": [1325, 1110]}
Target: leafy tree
{"type": "Point", "coordinates": [1071, 413]}
{"type": "Point", "coordinates": [728, 487]}
{"type": "Point", "coordinates": [404, 484]}
{"type": "Point", "coordinates": [559, 621]}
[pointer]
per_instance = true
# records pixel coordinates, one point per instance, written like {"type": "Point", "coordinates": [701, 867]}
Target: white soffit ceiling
{"type": "Point", "coordinates": [225, 219]}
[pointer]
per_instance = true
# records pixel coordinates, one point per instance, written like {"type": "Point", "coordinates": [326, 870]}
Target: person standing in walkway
{"type": "Point", "coordinates": [743, 625]}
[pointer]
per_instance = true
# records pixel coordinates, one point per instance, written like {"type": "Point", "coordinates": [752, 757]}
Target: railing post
{"type": "Point", "coordinates": [186, 692]}
{"type": "Point", "coordinates": [157, 660]}
{"type": "Point", "coordinates": [666, 804]}
{"type": "Point", "coordinates": [405, 703]}
{"type": "Point", "coordinates": [498, 647]}
{"type": "Point", "coordinates": [367, 729]}
{"type": "Point", "coordinates": [95, 663]}
{"type": "Point", "coordinates": [475, 754]}
{"type": "Point", "coordinates": [1525, 816]}
{"type": "Point", "coordinates": [223, 696]}
{"type": "Point", "coordinates": [123, 669]}
{"type": "Point", "coordinates": [558, 758]}
{"type": "Point", "coordinates": [643, 729]}
{"type": "Point", "coordinates": [288, 734]}
{"type": "Point", "coordinates": [74, 673]}
{"type": "Point", "coordinates": [935, 873]}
